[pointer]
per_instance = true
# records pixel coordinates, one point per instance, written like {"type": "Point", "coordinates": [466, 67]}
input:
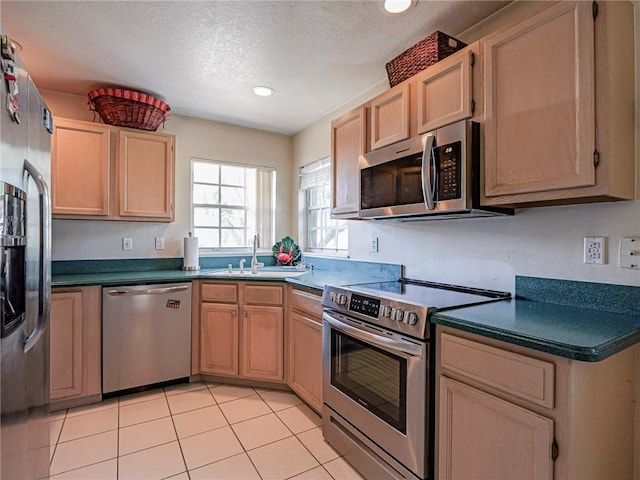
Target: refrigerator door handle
{"type": "Point", "coordinates": [44, 290]}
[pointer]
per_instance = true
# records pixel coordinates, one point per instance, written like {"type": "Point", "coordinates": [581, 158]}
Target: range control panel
{"type": "Point", "coordinates": [386, 313]}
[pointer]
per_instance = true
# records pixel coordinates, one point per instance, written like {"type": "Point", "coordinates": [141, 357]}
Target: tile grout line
{"type": "Point", "coordinates": [184, 460]}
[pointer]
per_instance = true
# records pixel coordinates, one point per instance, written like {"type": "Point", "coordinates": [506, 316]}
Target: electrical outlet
{"type": "Point", "coordinates": [159, 243]}
{"type": "Point", "coordinates": [127, 243]}
{"type": "Point", "coordinates": [374, 244]}
{"type": "Point", "coordinates": [630, 252]}
{"type": "Point", "coordinates": [594, 250]}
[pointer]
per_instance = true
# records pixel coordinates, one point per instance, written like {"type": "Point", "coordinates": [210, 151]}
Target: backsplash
{"type": "Point", "coordinates": [596, 296]}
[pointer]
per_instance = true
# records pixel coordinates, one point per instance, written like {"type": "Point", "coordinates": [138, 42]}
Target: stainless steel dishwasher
{"type": "Point", "coordinates": [146, 335]}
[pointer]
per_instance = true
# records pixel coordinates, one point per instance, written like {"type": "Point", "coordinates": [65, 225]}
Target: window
{"type": "Point", "coordinates": [323, 234]}
{"type": "Point", "coordinates": [231, 203]}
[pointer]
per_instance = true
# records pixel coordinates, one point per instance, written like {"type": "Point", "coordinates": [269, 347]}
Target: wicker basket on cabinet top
{"type": "Point", "coordinates": [432, 49]}
{"type": "Point", "coordinates": [128, 108]}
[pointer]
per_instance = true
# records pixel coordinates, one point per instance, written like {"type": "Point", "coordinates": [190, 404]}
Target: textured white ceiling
{"type": "Point", "coordinates": [202, 58]}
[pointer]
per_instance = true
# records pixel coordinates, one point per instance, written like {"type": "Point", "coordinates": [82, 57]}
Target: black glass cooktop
{"type": "Point", "coordinates": [439, 296]}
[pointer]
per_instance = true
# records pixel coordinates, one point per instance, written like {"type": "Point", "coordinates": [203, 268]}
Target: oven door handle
{"type": "Point", "coordinates": [399, 347]}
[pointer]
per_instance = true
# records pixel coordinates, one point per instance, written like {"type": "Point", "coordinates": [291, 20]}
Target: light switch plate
{"type": "Point", "coordinates": [159, 243]}
{"type": "Point", "coordinates": [127, 243]}
{"type": "Point", "coordinates": [630, 252]}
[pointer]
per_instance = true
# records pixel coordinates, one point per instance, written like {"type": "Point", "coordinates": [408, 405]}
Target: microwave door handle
{"type": "Point", "coordinates": [427, 181]}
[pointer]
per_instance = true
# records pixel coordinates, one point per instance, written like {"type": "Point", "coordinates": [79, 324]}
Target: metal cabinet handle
{"type": "Point", "coordinates": [149, 291]}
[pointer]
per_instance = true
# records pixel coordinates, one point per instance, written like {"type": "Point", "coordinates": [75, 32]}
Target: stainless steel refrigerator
{"type": "Point", "coordinates": [25, 159]}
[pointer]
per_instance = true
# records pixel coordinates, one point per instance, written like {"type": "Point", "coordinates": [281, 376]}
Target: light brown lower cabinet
{"type": "Point", "coordinates": [506, 412]}
{"type": "Point", "coordinates": [219, 337]}
{"type": "Point", "coordinates": [75, 338]}
{"type": "Point", "coordinates": [242, 330]}
{"type": "Point", "coordinates": [304, 325]}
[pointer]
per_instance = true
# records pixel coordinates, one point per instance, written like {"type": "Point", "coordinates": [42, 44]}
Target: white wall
{"type": "Point", "coordinates": [489, 252]}
{"type": "Point", "coordinates": [73, 239]}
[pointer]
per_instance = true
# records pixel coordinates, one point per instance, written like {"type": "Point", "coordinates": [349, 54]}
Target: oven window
{"type": "Point", "coordinates": [375, 379]}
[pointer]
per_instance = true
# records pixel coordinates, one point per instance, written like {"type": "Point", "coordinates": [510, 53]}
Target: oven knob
{"type": "Point", "coordinates": [332, 297]}
{"type": "Point", "coordinates": [386, 311]}
{"type": "Point", "coordinates": [341, 299]}
{"type": "Point", "coordinates": [411, 318]}
{"type": "Point", "coordinates": [396, 314]}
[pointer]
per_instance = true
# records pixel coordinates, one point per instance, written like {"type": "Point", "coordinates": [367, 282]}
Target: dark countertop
{"type": "Point", "coordinates": [576, 333]}
{"type": "Point", "coordinates": [315, 280]}
{"type": "Point", "coordinates": [610, 324]}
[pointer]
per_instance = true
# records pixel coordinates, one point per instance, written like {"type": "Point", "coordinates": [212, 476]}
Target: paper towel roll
{"type": "Point", "coordinates": [191, 254]}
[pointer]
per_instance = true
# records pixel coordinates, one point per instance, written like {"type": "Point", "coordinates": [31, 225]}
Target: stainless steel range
{"type": "Point", "coordinates": [377, 396]}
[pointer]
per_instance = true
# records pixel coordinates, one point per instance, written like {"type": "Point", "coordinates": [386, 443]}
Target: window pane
{"type": "Point", "coordinates": [207, 237]}
{"type": "Point", "coordinates": [315, 238]}
{"type": "Point", "coordinates": [233, 238]}
{"type": "Point", "coordinates": [231, 175]}
{"type": "Point", "coordinates": [230, 203]}
{"type": "Point", "coordinates": [323, 233]}
{"type": "Point", "coordinates": [206, 217]}
{"type": "Point", "coordinates": [232, 195]}
{"type": "Point", "coordinates": [232, 217]}
{"type": "Point", "coordinates": [314, 218]}
{"type": "Point", "coordinates": [205, 194]}
{"type": "Point", "coordinates": [343, 238]}
{"type": "Point", "coordinates": [206, 172]}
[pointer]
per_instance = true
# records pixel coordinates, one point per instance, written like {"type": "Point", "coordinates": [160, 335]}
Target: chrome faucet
{"type": "Point", "coordinates": [242, 260]}
{"type": "Point", "coordinates": [255, 264]}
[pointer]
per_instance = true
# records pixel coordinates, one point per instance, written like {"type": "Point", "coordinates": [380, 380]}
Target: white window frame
{"type": "Point", "coordinates": [265, 207]}
{"type": "Point", "coordinates": [312, 175]}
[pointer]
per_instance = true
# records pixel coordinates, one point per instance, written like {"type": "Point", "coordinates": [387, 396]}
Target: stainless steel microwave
{"type": "Point", "coordinates": [431, 176]}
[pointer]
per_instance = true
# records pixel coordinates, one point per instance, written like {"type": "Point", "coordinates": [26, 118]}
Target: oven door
{"type": "Point", "coordinates": [377, 381]}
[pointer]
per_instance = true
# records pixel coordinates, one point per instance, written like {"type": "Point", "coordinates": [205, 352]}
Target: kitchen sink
{"type": "Point", "coordinates": [262, 273]}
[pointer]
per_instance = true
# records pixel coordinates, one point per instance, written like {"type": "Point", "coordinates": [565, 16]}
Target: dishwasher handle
{"type": "Point", "coordinates": [149, 291]}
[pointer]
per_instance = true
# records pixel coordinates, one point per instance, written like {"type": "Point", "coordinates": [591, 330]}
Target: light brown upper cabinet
{"type": "Point", "coordinates": [390, 116]}
{"type": "Point", "coordinates": [444, 92]}
{"type": "Point", "coordinates": [559, 97]}
{"type": "Point", "coordinates": [348, 142]}
{"type": "Point", "coordinates": [102, 172]}
{"type": "Point", "coordinates": [145, 175]}
{"type": "Point", "coordinates": [81, 171]}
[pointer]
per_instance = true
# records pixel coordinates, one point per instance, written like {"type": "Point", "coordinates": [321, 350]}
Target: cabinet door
{"type": "Point", "coordinates": [305, 358]}
{"type": "Point", "coordinates": [66, 345]}
{"type": "Point", "coordinates": [348, 142]}
{"type": "Point", "coordinates": [539, 104]}
{"type": "Point", "coordinates": [263, 342]}
{"type": "Point", "coordinates": [390, 116]}
{"type": "Point", "coordinates": [80, 166]}
{"type": "Point", "coordinates": [219, 339]}
{"type": "Point", "coordinates": [481, 436]}
{"type": "Point", "coordinates": [146, 175]}
{"type": "Point", "coordinates": [444, 92]}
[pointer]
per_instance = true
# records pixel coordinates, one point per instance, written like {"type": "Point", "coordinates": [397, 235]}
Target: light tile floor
{"type": "Point", "coordinates": [194, 431]}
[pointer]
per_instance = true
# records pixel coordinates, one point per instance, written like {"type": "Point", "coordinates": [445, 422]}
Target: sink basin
{"type": "Point", "coordinates": [266, 273]}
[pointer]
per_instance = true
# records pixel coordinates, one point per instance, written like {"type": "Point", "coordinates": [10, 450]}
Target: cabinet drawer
{"type": "Point", "coordinates": [263, 294]}
{"type": "Point", "coordinates": [525, 377]}
{"type": "Point", "coordinates": [306, 302]}
{"type": "Point", "coordinates": [219, 292]}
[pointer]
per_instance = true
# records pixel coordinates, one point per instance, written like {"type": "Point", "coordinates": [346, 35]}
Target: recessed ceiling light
{"type": "Point", "coordinates": [397, 6]}
{"type": "Point", "coordinates": [262, 91]}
